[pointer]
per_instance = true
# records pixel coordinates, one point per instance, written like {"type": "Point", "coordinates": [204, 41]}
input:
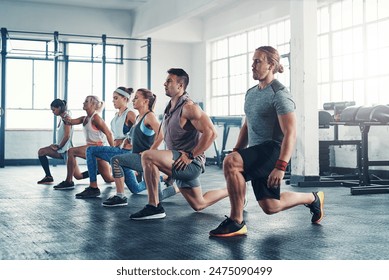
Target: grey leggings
{"type": "Point", "coordinates": [129, 160]}
{"type": "Point", "coordinates": [134, 162]}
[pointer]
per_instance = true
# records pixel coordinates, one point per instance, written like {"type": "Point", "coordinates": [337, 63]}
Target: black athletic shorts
{"type": "Point", "coordinates": [258, 162]}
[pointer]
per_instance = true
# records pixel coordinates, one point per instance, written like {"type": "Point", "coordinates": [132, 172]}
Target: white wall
{"type": "Point", "coordinates": [166, 55]}
{"type": "Point", "coordinates": [244, 15]}
{"type": "Point", "coordinates": [64, 19]}
{"type": "Point", "coordinates": [24, 144]}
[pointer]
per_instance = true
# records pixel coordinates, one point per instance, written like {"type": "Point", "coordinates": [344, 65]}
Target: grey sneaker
{"type": "Point", "coordinates": [115, 201]}
{"type": "Point", "coordinates": [149, 212]}
{"type": "Point", "coordinates": [64, 185]}
{"type": "Point", "coordinates": [89, 192]}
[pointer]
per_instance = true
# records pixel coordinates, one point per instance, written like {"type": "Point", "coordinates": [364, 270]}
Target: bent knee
{"type": "Point", "coordinates": [89, 151]}
{"type": "Point", "coordinates": [41, 152]}
{"type": "Point", "coordinates": [114, 161]}
{"type": "Point", "coordinates": [269, 209]}
{"type": "Point", "coordinates": [197, 208]}
{"type": "Point", "coordinates": [232, 161]}
{"type": "Point", "coordinates": [146, 155]}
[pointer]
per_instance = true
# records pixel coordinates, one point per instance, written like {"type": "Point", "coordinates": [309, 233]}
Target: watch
{"type": "Point", "coordinates": [190, 155]}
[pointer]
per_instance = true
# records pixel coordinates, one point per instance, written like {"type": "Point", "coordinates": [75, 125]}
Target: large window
{"type": "Point", "coordinates": [30, 79]}
{"type": "Point", "coordinates": [29, 93]}
{"type": "Point", "coordinates": [353, 52]}
{"type": "Point", "coordinates": [231, 60]}
{"type": "Point", "coordinates": [86, 79]}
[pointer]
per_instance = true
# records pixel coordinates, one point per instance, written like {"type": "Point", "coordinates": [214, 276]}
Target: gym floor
{"type": "Point", "coordinates": [39, 223]}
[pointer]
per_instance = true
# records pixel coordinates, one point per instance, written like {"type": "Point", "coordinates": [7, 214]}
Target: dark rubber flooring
{"type": "Point", "coordinates": [39, 223]}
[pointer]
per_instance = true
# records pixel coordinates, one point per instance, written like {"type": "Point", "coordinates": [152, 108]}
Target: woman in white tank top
{"type": "Point", "coordinates": [96, 134]}
{"type": "Point", "coordinates": [120, 126]}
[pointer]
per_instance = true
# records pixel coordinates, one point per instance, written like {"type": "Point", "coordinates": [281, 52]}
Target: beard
{"type": "Point", "coordinates": [256, 76]}
{"type": "Point", "coordinates": [167, 93]}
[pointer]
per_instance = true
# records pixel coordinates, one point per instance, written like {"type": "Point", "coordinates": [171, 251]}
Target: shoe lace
{"type": "Point", "coordinates": [225, 221]}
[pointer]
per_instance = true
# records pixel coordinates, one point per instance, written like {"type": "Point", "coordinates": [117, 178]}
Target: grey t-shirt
{"type": "Point", "coordinates": [262, 108]}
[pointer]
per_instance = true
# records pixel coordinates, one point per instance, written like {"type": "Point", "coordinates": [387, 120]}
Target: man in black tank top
{"type": "Point", "coordinates": [188, 133]}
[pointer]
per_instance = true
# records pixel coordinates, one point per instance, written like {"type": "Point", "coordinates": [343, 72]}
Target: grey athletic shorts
{"type": "Point", "coordinates": [188, 178]}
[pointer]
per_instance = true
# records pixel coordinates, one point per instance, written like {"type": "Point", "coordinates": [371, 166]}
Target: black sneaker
{"type": "Point", "coordinates": [114, 201]}
{"type": "Point", "coordinates": [64, 185]}
{"type": "Point", "coordinates": [229, 228]}
{"type": "Point", "coordinates": [46, 180]}
{"type": "Point", "coordinates": [316, 207]}
{"type": "Point", "coordinates": [149, 212]}
{"type": "Point", "coordinates": [89, 192]}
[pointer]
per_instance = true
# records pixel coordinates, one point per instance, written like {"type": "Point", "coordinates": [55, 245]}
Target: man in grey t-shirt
{"type": "Point", "coordinates": [263, 149]}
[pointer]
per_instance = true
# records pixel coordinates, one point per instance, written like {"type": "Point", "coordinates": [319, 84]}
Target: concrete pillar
{"type": "Point", "coordinates": [303, 60]}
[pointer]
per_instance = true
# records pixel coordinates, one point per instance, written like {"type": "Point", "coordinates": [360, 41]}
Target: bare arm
{"type": "Point", "coordinates": [130, 118]}
{"type": "Point", "coordinates": [125, 143]}
{"type": "Point", "coordinates": [288, 127]}
{"type": "Point", "coordinates": [152, 122]}
{"type": "Point", "coordinates": [202, 123]}
{"type": "Point", "coordinates": [69, 121]}
{"type": "Point", "coordinates": [99, 123]}
{"type": "Point", "coordinates": [66, 136]}
{"type": "Point", "coordinates": [193, 115]}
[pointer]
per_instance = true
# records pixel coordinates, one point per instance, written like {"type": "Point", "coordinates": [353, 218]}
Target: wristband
{"type": "Point", "coordinates": [281, 165]}
{"type": "Point", "coordinates": [190, 155]}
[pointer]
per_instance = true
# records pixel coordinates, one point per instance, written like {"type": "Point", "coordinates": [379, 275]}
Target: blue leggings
{"type": "Point", "coordinates": [106, 153]}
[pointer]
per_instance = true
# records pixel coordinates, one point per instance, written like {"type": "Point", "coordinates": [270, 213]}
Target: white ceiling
{"type": "Point", "coordinates": [187, 23]}
{"type": "Point", "coordinates": [122, 4]}
{"type": "Point", "coordinates": [103, 4]}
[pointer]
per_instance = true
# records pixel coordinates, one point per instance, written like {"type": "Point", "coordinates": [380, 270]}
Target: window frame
{"type": "Point", "coordinates": [228, 49]}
